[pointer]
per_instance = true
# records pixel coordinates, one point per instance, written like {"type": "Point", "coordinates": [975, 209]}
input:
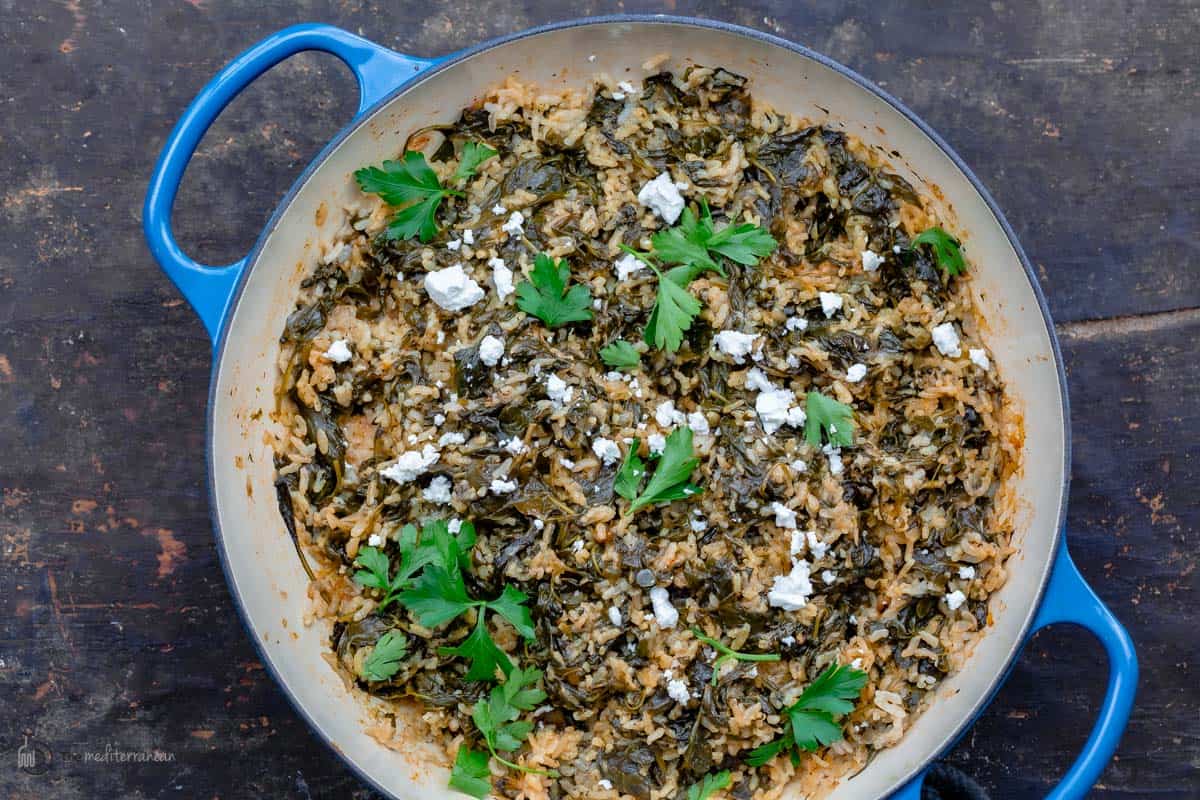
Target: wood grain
{"type": "Point", "coordinates": [116, 629]}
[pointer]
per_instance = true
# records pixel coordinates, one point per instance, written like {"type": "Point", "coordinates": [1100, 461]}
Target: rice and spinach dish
{"type": "Point", "coordinates": [640, 441]}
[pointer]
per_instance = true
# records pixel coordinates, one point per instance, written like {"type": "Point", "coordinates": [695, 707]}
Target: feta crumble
{"type": "Point", "coordinates": [796, 324]}
{"type": "Point", "coordinates": [438, 490]}
{"type": "Point", "coordinates": [376, 540]}
{"type": "Point", "coordinates": [603, 783]}
{"type": "Point", "coordinates": [945, 338]}
{"type": "Point", "coordinates": [735, 344]}
{"type": "Point", "coordinates": [784, 516]}
{"type": "Point", "coordinates": [614, 613]}
{"type": "Point", "coordinates": [664, 613]}
{"type": "Point", "coordinates": [515, 224]}
{"type": "Point", "coordinates": [499, 486]}
{"type": "Point", "coordinates": [515, 445]}
{"type": "Point", "coordinates": [834, 455]}
{"type": "Point", "coordinates": [468, 236]}
{"type": "Point", "coordinates": [698, 423]}
{"type": "Point", "coordinates": [626, 265]}
{"type": "Point", "coordinates": [856, 373]}
{"type": "Point", "coordinates": [606, 450]}
{"type": "Point", "coordinates": [831, 303]}
{"type": "Point", "coordinates": [678, 690]}
{"type": "Point", "coordinates": [966, 573]}
{"type": "Point", "coordinates": [871, 261]}
{"type": "Point", "coordinates": [558, 390]}
{"type": "Point", "coordinates": [338, 352]}
{"type": "Point", "coordinates": [452, 289]}
{"type": "Point", "coordinates": [955, 599]}
{"type": "Point", "coordinates": [666, 415]}
{"type": "Point", "coordinates": [657, 443]}
{"type": "Point", "coordinates": [411, 464]}
{"type": "Point", "coordinates": [662, 196]}
{"type": "Point", "coordinates": [979, 358]}
{"type": "Point", "coordinates": [499, 209]}
{"type": "Point", "coordinates": [757, 381]}
{"type": "Point", "coordinates": [791, 592]}
{"type": "Point", "coordinates": [502, 277]}
{"type": "Point", "coordinates": [698, 525]}
{"type": "Point", "coordinates": [775, 410]}
{"type": "Point", "coordinates": [451, 437]}
{"type": "Point", "coordinates": [816, 547]}
{"type": "Point", "coordinates": [491, 350]}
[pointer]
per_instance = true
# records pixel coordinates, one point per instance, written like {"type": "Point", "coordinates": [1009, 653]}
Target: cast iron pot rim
{"type": "Point", "coordinates": [652, 19]}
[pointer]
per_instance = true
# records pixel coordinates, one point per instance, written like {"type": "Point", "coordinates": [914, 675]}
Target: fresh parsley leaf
{"type": "Point", "coordinates": [473, 155]}
{"type": "Point", "coordinates": [481, 651]}
{"type": "Point", "coordinates": [621, 355]}
{"type": "Point", "coordinates": [546, 297]}
{"type": "Point", "coordinates": [470, 774]}
{"type": "Point", "coordinates": [672, 471]}
{"type": "Point", "coordinates": [728, 654]}
{"type": "Point", "coordinates": [438, 596]}
{"type": "Point", "coordinates": [510, 606]}
{"type": "Point", "coordinates": [498, 717]}
{"type": "Point", "coordinates": [384, 659]}
{"type": "Point", "coordinates": [744, 243]}
{"type": "Point", "coordinates": [411, 185]}
{"type": "Point", "coordinates": [375, 569]}
{"type": "Point", "coordinates": [945, 248]}
{"type": "Point", "coordinates": [708, 784]}
{"type": "Point", "coordinates": [814, 719]}
{"type": "Point", "coordinates": [694, 242]}
{"type": "Point", "coordinates": [826, 415]}
{"type": "Point", "coordinates": [630, 475]}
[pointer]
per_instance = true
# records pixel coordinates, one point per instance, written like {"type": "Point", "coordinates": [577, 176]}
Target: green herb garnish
{"type": "Point", "coordinates": [728, 654]}
{"type": "Point", "coordinates": [672, 471]}
{"type": "Point", "coordinates": [945, 248]}
{"type": "Point", "coordinates": [826, 415]}
{"type": "Point", "coordinates": [546, 297]}
{"type": "Point", "coordinates": [470, 774]}
{"type": "Point", "coordinates": [411, 185]}
{"type": "Point", "coordinates": [498, 720]}
{"type": "Point", "coordinates": [708, 784]}
{"type": "Point", "coordinates": [384, 659]}
{"type": "Point", "coordinates": [621, 355]}
{"type": "Point", "coordinates": [416, 552]}
{"type": "Point", "coordinates": [694, 242]}
{"type": "Point", "coordinates": [814, 719]}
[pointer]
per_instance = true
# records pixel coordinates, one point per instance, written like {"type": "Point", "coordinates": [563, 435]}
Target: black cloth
{"type": "Point", "coordinates": [944, 782]}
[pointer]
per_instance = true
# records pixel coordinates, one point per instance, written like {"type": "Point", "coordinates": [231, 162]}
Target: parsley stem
{"type": "Point", "coordinates": [550, 773]}
{"type": "Point", "coordinates": [728, 654]}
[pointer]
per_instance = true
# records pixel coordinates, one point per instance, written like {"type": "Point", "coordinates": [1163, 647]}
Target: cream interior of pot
{"type": "Point", "coordinates": [263, 569]}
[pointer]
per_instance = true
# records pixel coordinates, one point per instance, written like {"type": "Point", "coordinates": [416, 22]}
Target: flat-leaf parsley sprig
{"type": "Point", "coordinates": [546, 296]}
{"type": "Point", "coordinates": [710, 783]}
{"type": "Point", "coordinates": [945, 248]}
{"type": "Point", "coordinates": [498, 720]}
{"type": "Point", "coordinates": [411, 185]}
{"type": "Point", "coordinates": [672, 473]}
{"type": "Point", "coordinates": [813, 721]}
{"type": "Point", "coordinates": [384, 659]}
{"type": "Point", "coordinates": [415, 552]}
{"type": "Point", "coordinates": [728, 654]}
{"type": "Point", "coordinates": [824, 415]}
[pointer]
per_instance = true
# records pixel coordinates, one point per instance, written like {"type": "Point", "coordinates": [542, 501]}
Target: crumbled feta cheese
{"type": "Point", "coordinates": [799, 465]}
{"type": "Point", "coordinates": [626, 87]}
{"type": "Point", "coordinates": [856, 373]}
{"type": "Point", "coordinates": [816, 547]}
{"type": "Point", "coordinates": [515, 224]}
{"type": "Point", "coordinates": [829, 576]}
{"type": "Point", "coordinates": [784, 516]}
{"type": "Point", "coordinates": [468, 236]}
{"type": "Point", "coordinates": [678, 690]}
{"type": "Point", "coordinates": [774, 409]}
{"type": "Point", "coordinates": [499, 209]}
{"type": "Point", "coordinates": [966, 573]}
{"type": "Point", "coordinates": [735, 344]}
{"type": "Point", "coordinates": [603, 783]}
{"type": "Point", "coordinates": [626, 265]}
{"type": "Point", "coordinates": [566, 462]}
{"type": "Point", "coordinates": [657, 443]}
{"type": "Point", "coordinates": [856, 664]}
{"type": "Point", "coordinates": [796, 324]}
{"type": "Point", "coordinates": [439, 490]}
{"type": "Point", "coordinates": [338, 352]}
{"type": "Point", "coordinates": [614, 613]}
{"type": "Point", "coordinates": [664, 613]}
{"type": "Point", "coordinates": [502, 277]}
{"type": "Point", "coordinates": [558, 390]}
{"type": "Point", "coordinates": [376, 540]}
{"type": "Point", "coordinates": [796, 545]}
{"type": "Point", "coordinates": [451, 437]}
{"type": "Point", "coordinates": [945, 338]}
{"type": "Point", "coordinates": [515, 445]}
{"type": "Point", "coordinates": [896, 249]}
{"type": "Point", "coordinates": [577, 546]}
{"type": "Point", "coordinates": [439, 420]}
{"type": "Point", "coordinates": [499, 486]}
{"type": "Point", "coordinates": [787, 641]}
{"type": "Point", "coordinates": [831, 303]}
{"type": "Point", "coordinates": [796, 417]}
{"type": "Point", "coordinates": [662, 196]}
{"type": "Point", "coordinates": [757, 381]}
{"type": "Point", "coordinates": [835, 457]}
{"type": "Point", "coordinates": [452, 289]}
{"type": "Point", "coordinates": [597, 303]}
{"type": "Point", "coordinates": [979, 358]}
{"type": "Point", "coordinates": [667, 415]}
{"type": "Point", "coordinates": [618, 95]}
{"type": "Point", "coordinates": [698, 423]}
{"type": "Point", "coordinates": [791, 592]}
{"type": "Point", "coordinates": [698, 525]}
{"type": "Point", "coordinates": [454, 526]}
{"type": "Point", "coordinates": [538, 524]}
{"type": "Point", "coordinates": [871, 261]}
{"type": "Point", "coordinates": [955, 599]}
{"type": "Point", "coordinates": [454, 244]}
{"type": "Point", "coordinates": [411, 464]}
{"type": "Point", "coordinates": [491, 350]}
{"type": "Point", "coordinates": [606, 450]}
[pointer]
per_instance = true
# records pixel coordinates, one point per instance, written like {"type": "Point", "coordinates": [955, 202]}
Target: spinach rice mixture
{"type": "Point", "coordinates": [640, 442]}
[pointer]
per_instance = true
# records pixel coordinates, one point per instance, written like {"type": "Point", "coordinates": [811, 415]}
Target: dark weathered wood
{"type": "Point", "coordinates": [115, 624]}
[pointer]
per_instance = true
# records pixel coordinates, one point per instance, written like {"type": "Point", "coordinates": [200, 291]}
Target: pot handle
{"type": "Point", "coordinates": [378, 71]}
{"type": "Point", "coordinates": [1069, 598]}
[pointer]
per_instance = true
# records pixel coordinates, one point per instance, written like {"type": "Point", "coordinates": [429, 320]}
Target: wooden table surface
{"type": "Point", "coordinates": [116, 629]}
